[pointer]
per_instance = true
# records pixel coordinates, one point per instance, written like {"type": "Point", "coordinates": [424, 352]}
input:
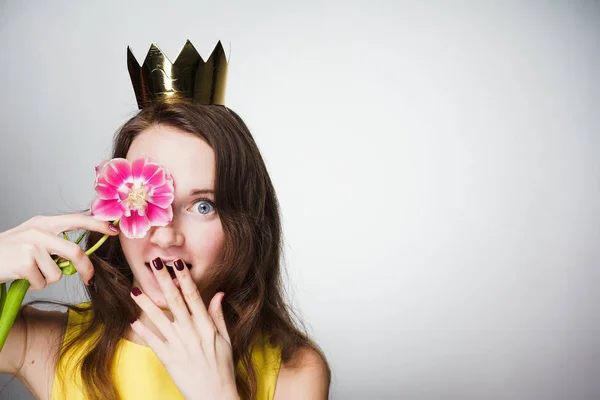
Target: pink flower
{"type": "Point", "coordinates": [139, 194]}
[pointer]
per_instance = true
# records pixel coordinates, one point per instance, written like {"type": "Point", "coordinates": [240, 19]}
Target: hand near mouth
{"type": "Point", "coordinates": [170, 266]}
{"type": "Point", "coordinates": [197, 352]}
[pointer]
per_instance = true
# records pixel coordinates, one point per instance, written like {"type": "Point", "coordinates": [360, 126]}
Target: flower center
{"type": "Point", "coordinates": [137, 198]}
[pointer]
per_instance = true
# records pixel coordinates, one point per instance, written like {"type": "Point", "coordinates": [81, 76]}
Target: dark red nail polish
{"type": "Point", "coordinates": [132, 320]}
{"type": "Point", "coordinates": [136, 291]}
{"type": "Point", "coordinates": [158, 263]}
{"type": "Point", "coordinates": [179, 265]}
{"type": "Point", "coordinates": [91, 281]}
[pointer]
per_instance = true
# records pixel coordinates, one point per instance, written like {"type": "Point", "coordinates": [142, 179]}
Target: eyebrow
{"type": "Point", "coordinates": [196, 192]}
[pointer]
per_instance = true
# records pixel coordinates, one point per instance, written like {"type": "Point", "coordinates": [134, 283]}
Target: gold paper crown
{"type": "Point", "coordinates": [189, 77]}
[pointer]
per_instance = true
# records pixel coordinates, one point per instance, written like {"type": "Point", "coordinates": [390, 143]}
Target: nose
{"type": "Point", "coordinates": [166, 236]}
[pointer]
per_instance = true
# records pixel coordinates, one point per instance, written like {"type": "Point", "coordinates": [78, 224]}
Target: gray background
{"type": "Point", "coordinates": [437, 165]}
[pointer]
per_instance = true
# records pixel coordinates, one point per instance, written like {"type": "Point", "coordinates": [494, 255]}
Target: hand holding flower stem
{"type": "Point", "coordinates": [10, 303]}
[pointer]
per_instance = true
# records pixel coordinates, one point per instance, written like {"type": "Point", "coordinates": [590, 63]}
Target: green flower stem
{"type": "Point", "coordinates": [10, 303]}
{"type": "Point", "coordinates": [2, 296]}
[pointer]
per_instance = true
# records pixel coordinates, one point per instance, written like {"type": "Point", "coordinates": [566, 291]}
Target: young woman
{"type": "Point", "coordinates": [220, 330]}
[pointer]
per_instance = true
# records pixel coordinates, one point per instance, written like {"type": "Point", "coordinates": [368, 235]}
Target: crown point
{"type": "Point", "coordinates": [131, 58]}
{"type": "Point", "coordinates": [219, 45]}
{"type": "Point", "coordinates": [218, 52]}
{"type": "Point", "coordinates": [188, 56]}
{"type": "Point", "coordinates": [155, 52]}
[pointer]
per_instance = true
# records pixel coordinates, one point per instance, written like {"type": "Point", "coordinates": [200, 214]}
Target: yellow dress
{"type": "Point", "coordinates": [139, 374]}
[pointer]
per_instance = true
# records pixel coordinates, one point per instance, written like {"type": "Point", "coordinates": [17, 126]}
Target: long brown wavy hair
{"type": "Point", "coordinates": [248, 270]}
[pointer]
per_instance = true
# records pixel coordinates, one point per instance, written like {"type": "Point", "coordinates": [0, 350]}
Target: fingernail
{"type": "Point", "coordinates": [113, 228]}
{"type": "Point", "coordinates": [136, 291]}
{"type": "Point", "coordinates": [91, 281]}
{"type": "Point", "coordinates": [132, 320]}
{"type": "Point", "coordinates": [158, 263]}
{"type": "Point", "coordinates": [179, 265]}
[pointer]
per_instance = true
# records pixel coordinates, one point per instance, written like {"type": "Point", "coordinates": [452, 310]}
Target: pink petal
{"type": "Point", "coordinates": [105, 190]}
{"type": "Point", "coordinates": [125, 208]}
{"type": "Point", "coordinates": [159, 216]}
{"type": "Point", "coordinates": [153, 162]}
{"type": "Point", "coordinates": [134, 226]}
{"type": "Point", "coordinates": [144, 169]}
{"type": "Point", "coordinates": [117, 172]}
{"type": "Point", "coordinates": [162, 196]}
{"type": "Point", "coordinates": [164, 189]}
{"type": "Point", "coordinates": [158, 179]}
{"type": "Point", "coordinates": [106, 210]}
{"type": "Point", "coordinates": [99, 169]}
{"type": "Point", "coordinates": [100, 166]}
{"type": "Point", "coordinates": [124, 190]}
{"type": "Point", "coordinates": [137, 166]}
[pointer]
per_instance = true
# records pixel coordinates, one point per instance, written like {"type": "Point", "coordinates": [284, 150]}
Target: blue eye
{"type": "Point", "coordinates": [204, 206]}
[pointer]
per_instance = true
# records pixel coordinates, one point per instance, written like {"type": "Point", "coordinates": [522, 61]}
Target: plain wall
{"type": "Point", "coordinates": [436, 162]}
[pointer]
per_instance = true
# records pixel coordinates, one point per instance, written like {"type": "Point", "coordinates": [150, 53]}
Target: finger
{"type": "Point", "coordinates": [156, 315]}
{"type": "Point", "coordinates": [175, 300]}
{"type": "Point", "coordinates": [63, 223]}
{"type": "Point", "coordinates": [71, 222]}
{"type": "Point", "coordinates": [66, 249]}
{"type": "Point", "coordinates": [194, 301]}
{"type": "Point", "coordinates": [215, 309]}
{"type": "Point", "coordinates": [51, 272]}
{"type": "Point", "coordinates": [36, 279]}
{"type": "Point", "coordinates": [153, 341]}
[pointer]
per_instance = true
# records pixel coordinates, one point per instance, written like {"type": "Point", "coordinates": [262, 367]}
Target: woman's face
{"type": "Point", "coordinates": [195, 235]}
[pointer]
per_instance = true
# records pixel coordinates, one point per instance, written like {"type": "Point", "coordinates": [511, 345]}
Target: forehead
{"type": "Point", "coordinates": [189, 159]}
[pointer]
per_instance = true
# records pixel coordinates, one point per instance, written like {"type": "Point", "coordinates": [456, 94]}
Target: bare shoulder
{"type": "Point", "coordinates": [44, 332]}
{"type": "Point", "coordinates": [31, 327]}
{"type": "Point", "coordinates": [304, 376]}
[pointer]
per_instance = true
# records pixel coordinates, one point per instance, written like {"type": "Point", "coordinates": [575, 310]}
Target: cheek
{"type": "Point", "coordinates": [208, 246]}
{"type": "Point", "coordinates": [131, 249]}
{"type": "Point", "coordinates": [205, 242]}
